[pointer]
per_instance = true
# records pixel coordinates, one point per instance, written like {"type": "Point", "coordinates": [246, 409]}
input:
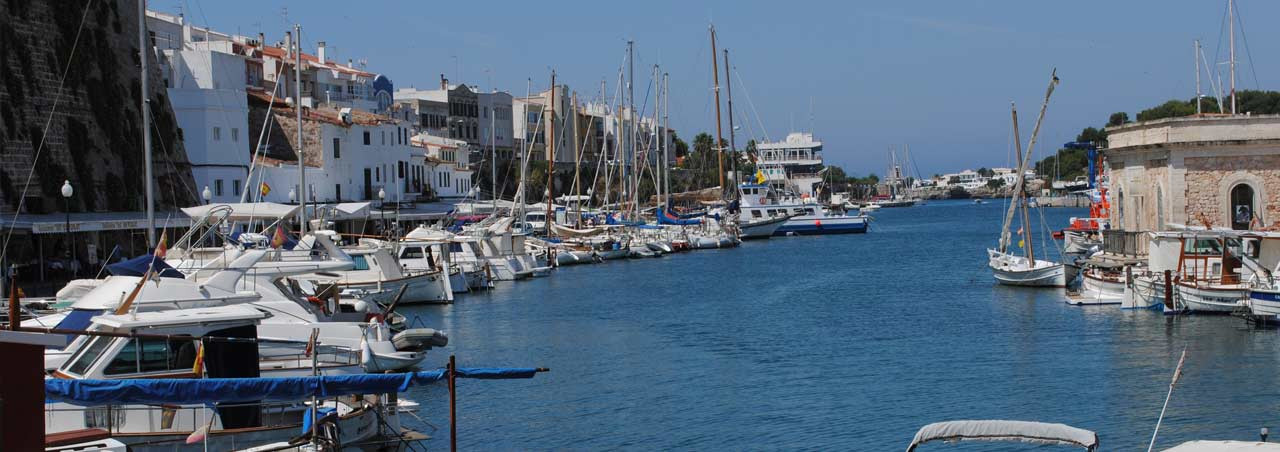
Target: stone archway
{"type": "Point", "coordinates": [1242, 189]}
{"type": "Point", "coordinates": [1241, 206]}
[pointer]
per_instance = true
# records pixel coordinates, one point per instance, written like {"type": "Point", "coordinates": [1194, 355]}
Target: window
{"type": "Point", "coordinates": [235, 187]}
{"type": "Point", "coordinates": [235, 134]}
{"type": "Point", "coordinates": [337, 192]}
{"type": "Point", "coordinates": [153, 355]}
{"type": "Point", "coordinates": [90, 353]}
{"type": "Point", "coordinates": [377, 174]}
{"type": "Point", "coordinates": [366, 138]}
{"type": "Point", "coordinates": [337, 148]}
{"type": "Point", "coordinates": [1241, 207]}
{"type": "Point", "coordinates": [217, 187]}
{"type": "Point", "coordinates": [400, 169]}
{"type": "Point", "coordinates": [217, 133]}
{"type": "Point", "coordinates": [361, 263]}
{"type": "Point", "coordinates": [755, 213]}
{"type": "Point", "coordinates": [414, 252]}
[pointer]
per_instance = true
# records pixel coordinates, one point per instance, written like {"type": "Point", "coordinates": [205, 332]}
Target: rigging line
{"type": "Point", "coordinates": [44, 135]}
{"type": "Point", "coordinates": [743, 84]}
{"type": "Point", "coordinates": [1248, 53]}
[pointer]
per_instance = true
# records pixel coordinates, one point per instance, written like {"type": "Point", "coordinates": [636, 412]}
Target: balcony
{"type": "Point", "coordinates": [1124, 243]}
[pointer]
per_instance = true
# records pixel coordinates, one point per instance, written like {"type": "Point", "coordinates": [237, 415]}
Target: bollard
{"type": "Point", "coordinates": [1168, 289]}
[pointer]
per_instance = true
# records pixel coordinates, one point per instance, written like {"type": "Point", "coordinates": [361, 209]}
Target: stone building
{"type": "Point", "coordinates": [1220, 171]}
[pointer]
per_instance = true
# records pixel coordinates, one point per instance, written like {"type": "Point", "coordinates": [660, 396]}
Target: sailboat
{"type": "Point", "coordinates": [1026, 270]}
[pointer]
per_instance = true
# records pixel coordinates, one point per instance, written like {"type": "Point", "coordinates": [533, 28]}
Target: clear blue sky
{"type": "Point", "coordinates": [935, 75]}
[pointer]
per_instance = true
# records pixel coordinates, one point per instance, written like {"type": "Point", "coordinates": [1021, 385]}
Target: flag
{"type": "Point", "coordinates": [1019, 231]}
{"type": "Point", "coordinates": [1022, 243]}
{"type": "Point", "coordinates": [311, 343]}
{"type": "Point", "coordinates": [759, 176]}
{"type": "Point", "coordinates": [263, 189]}
{"type": "Point", "coordinates": [198, 367]}
{"type": "Point", "coordinates": [279, 238]}
{"type": "Point", "coordinates": [162, 248]}
{"type": "Point", "coordinates": [198, 435]}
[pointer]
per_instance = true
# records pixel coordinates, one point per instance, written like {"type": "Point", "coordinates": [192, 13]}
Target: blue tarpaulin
{"type": "Point", "coordinates": [217, 390]}
{"type": "Point", "coordinates": [665, 217]}
{"type": "Point", "coordinates": [77, 319]}
{"type": "Point", "coordinates": [138, 266]}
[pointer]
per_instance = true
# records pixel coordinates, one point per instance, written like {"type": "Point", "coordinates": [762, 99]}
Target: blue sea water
{"type": "Point", "coordinates": [836, 343]}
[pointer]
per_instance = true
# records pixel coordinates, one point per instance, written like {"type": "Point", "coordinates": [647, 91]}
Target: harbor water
{"type": "Point", "coordinates": [834, 342]}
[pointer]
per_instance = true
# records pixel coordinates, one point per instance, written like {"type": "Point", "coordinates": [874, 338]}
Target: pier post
{"type": "Point", "coordinates": [453, 407]}
{"type": "Point", "coordinates": [1168, 289]}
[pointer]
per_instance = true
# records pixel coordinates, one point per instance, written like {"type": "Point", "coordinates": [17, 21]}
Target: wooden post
{"type": "Point", "coordinates": [1168, 289]}
{"type": "Point", "coordinates": [453, 407]}
{"type": "Point", "coordinates": [15, 306]}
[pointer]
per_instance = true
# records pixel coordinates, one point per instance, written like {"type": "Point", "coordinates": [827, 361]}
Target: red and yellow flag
{"type": "Point", "coordinates": [198, 367]}
{"type": "Point", "coordinates": [279, 238]}
{"type": "Point", "coordinates": [162, 247]}
{"type": "Point", "coordinates": [263, 189]}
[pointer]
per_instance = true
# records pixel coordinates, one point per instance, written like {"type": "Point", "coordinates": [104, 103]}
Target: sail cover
{"type": "Point", "coordinates": [665, 217]}
{"type": "Point", "coordinates": [138, 266]}
{"type": "Point", "coordinates": [1023, 431]}
{"type": "Point", "coordinates": [564, 231]}
{"type": "Point", "coordinates": [214, 390]}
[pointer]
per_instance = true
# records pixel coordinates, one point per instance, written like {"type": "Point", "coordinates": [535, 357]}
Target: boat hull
{"type": "Point", "coordinates": [820, 225]}
{"type": "Point", "coordinates": [1264, 303]}
{"type": "Point", "coordinates": [760, 229]}
{"type": "Point", "coordinates": [1100, 290]}
{"type": "Point", "coordinates": [1146, 292]}
{"type": "Point", "coordinates": [1013, 271]}
{"type": "Point", "coordinates": [422, 288]}
{"type": "Point", "coordinates": [1210, 300]}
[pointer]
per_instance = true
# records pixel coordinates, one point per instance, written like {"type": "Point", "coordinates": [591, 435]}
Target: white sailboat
{"type": "Point", "coordinates": [1008, 268]}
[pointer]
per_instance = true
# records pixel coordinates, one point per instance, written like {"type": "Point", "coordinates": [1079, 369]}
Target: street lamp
{"type": "Point", "coordinates": [67, 191]}
{"type": "Point", "coordinates": [293, 196]}
{"type": "Point", "coordinates": [206, 194]}
{"type": "Point", "coordinates": [382, 211]}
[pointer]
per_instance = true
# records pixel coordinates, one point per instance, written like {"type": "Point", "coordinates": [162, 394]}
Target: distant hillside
{"type": "Point", "coordinates": [94, 138]}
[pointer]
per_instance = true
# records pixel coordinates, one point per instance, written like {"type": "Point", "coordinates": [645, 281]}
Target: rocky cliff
{"type": "Point", "coordinates": [89, 130]}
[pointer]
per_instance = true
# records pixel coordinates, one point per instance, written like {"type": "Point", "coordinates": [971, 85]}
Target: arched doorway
{"type": "Point", "coordinates": [1242, 212]}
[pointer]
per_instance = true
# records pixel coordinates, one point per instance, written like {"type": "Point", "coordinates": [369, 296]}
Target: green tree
{"type": "Point", "coordinates": [682, 148]}
{"type": "Point", "coordinates": [995, 183]}
{"type": "Point", "coordinates": [1118, 118]}
{"type": "Point", "coordinates": [984, 172]}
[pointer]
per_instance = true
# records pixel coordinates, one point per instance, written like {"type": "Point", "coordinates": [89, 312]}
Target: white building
{"type": "Point", "coordinates": [496, 128]}
{"type": "Point", "coordinates": [446, 165]}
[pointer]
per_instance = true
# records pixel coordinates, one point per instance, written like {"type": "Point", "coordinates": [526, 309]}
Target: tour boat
{"type": "Point", "coordinates": [759, 202]}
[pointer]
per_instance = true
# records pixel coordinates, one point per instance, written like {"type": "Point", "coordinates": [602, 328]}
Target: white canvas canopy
{"type": "Point", "coordinates": [995, 430]}
{"type": "Point", "coordinates": [1224, 446]}
{"type": "Point", "coordinates": [245, 211]}
{"type": "Point", "coordinates": [564, 231]}
{"type": "Point", "coordinates": [349, 210]}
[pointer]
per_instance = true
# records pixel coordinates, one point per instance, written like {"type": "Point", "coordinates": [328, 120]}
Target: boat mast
{"type": "Point", "coordinates": [143, 48]}
{"type": "Point", "coordinates": [551, 146]}
{"type": "Point", "coordinates": [656, 132]}
{"type": "Point", "coordinates": [1008, 217]}
{"type": "Point", "coordinates": [715, 69]}
{"type": "Point", "coordinates": [297, 108]}
{"type": "Point", "coordinates": [1198, 77]}
{"type": "Point", "coordinates": [666, 148]}
{"type": "Point", "coordinates": [624, 176]}
{"type": "Point", "coordinates": [1231, 24]}
{"type": "Point", "coordinates": [728, 86]}
{"type": "Point", "coordinates": [1020, 192]}
{"type": "Point", "coordinates": [577, 164]}
{"type": "Point", "coordinates": [493, 146]}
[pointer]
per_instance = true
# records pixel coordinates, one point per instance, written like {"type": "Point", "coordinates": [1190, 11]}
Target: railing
{"type": "Point", "coordinates": [1124, 243]}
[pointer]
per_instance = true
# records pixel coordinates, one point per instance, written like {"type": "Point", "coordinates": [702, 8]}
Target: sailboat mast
{"type": "Point", "coordinates": [666, 131]}
{"type": "Point", "coordinates": [297, 108]}
{"type": "Point", "coordinates": [728, 86]}
{"type": "Point", "coordinates": [656, 146]}
{"type": "Point", "coordinates": [630, 137]}
{"type": "Point", "coordinates": [1020, 195]}
{"type": "Point", "coordinates": [1198, 100]}
{"type": "Point", "coordinates": [1231, 24]}
{"type": "Point", "coordinates": [551, 150]}
{"type": "Point", "coordinates": [715, 69]}
{"type": "Point", "coordinates": [577, 164]}
{"type": "Point", "coordinates": [1022, 165]}
{"type": "Point", "coordinates": [143, 48]}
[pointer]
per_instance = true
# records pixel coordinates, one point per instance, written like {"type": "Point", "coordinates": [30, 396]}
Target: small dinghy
{"type": "Point", "coordinates": [418, 339]}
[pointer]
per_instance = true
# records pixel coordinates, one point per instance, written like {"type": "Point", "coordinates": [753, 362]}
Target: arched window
{"type": "Point", "coordinates": [1241, 206]}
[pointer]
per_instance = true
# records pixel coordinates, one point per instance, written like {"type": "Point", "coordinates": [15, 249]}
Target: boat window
{"type": "Point", "coordinates": [773, 212]}
{"type": "Point", "coordinates": [809, 211]}
{"type": "Point", "coordinates": [361, 263]}
{"type": "Point", "coordinates": [142, 355]}
{"type": "Point", "coordinates": [88, 355]}
{"type": "Point", "coordinates": [413, 252]}
{"type": "Point", "coordinates": [798, 210]}
{"type": "Point", "coordinates": [1203, 247]}
{"type": "Point", "coordinates": [455, 247]}
{"type": "Point", "coordinates": [755, 214]}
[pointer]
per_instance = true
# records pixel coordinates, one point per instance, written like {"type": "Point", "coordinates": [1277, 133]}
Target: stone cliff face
{"type": "Point", "coordinates": [93, 122]}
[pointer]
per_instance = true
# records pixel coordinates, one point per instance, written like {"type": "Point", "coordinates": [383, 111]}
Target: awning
{"type": "Point", "coordinates": [1224, 446]}
{"type": "Point", "coordinates": [57, 223]}
{"type": "Point", "coordinates": [246, 211]}
{"type": "Point", "coordinates": [995, 430]}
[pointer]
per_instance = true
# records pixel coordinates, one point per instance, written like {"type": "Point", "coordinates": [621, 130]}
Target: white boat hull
{"type": "Point", "coordinates": [423, 288]}
{"type": "Point", "coordinates": [760, 229]}
{"type": "Point", "coordinates": [1146, 292]}
{"type": "Point", "coordinates": [1265, 303]}
{"type": "Point", "coordinates": [1211, 300]}
{"type": "Point", "coordinates": [1014, 271]}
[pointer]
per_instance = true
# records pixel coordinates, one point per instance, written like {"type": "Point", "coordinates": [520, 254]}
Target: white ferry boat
{"type": "Point", "coordinates": [804, 215]}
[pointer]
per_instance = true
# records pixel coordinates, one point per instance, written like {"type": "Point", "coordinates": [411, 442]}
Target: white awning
{"type": "Point", "coordinates": [1224, 446]}
{"type": "Point", "coordinates": [349, 210]}
{"type": "Point", "coordinates": [994, 430]}
{"type": "Point", "coordinates": [245, 211]}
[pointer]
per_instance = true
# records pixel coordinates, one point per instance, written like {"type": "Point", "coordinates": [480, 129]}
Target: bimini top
{"type": "Point", "coordinates": [181, 317]}
{"type": "Point", "coordinates": [245, 211]}
{"type": "Point", "coordinates": [1224, 446]}
{"type": "Point", "coordinates": [1022, 431]}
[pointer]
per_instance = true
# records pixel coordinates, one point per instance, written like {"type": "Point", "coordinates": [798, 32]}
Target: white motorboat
{"type": "Point", "coordinates": [1014, 270]}
{"type": "Point", "coordinates": [1214, 268]}
{"type": "Point", "coordinates": [804, 216]}
{"type": "Point", "coordinates": [1100, 286]}
{"type": "Point", "coordinates": [761, 228]}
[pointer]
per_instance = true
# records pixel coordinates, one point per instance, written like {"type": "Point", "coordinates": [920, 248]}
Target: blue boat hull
{"type": "Point", "coordinates": [807, 225]}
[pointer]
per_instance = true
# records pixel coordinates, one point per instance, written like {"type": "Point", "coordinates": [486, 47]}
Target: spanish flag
{"type": "Point", "coordinates": [279, 238]}
{"type": "Point", "coordinates": [198, 367]}
{"type": "Point", "coordinates": [263, 189]}
{"type": "Point", "coordinates": [162, 247]}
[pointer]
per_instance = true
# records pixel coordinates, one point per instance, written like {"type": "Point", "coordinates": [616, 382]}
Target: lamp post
{"type": "Point", "coordinates": [67, 191]}
{"type": "Point", "coordinates": [206, 194]}
{"type": "Point", "coordinates": [382, 211]}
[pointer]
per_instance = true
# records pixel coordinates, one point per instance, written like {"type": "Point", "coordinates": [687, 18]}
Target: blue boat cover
{"type": "Point", "coordinates": [217, 390]}
{"type": "Point", "coordinates": [665, 217]}
{"type": "Point", "coordinates": [138, 267]}
{"type": "Point", "coordinates": [77, 319]}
